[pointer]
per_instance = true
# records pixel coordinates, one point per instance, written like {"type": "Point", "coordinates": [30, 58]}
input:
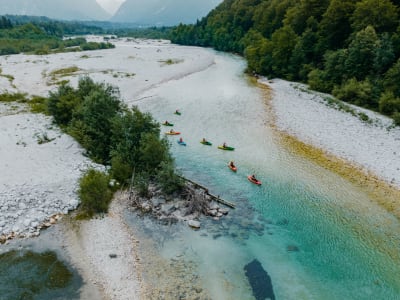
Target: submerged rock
{"type": "Point", "coordinates": [259, 280]}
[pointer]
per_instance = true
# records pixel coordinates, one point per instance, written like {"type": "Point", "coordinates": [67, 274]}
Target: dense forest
{"type": "Point", "coordinates": [348, 48]}
{"type": "Point", "coordinates": [43, 36]}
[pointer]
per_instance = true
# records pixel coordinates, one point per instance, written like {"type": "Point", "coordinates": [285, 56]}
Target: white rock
{"type": "Point", "coordinates": [194, 224]}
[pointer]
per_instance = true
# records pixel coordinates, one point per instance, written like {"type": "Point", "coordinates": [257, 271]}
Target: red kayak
{"type": "Point", "coordinates": [252, 180]}
{"type": "Point", "coordinates": [233, 168]}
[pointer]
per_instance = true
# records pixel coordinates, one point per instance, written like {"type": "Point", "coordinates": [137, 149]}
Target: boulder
{"type": "Point", "coordinates": [194, 224]}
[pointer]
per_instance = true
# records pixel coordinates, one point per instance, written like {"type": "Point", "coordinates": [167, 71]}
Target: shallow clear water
{"type": "Point", "coordinates": [317, 236]}
{"type": "Point", "coordinates": [25, 274]}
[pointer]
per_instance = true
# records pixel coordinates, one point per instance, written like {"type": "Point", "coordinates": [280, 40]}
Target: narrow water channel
{"type": "Point", "coordinates": [317, 235]}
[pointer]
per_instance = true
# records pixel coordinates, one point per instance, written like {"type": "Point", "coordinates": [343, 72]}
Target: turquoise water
{"type": "Point", "coordinates": [317, 235]}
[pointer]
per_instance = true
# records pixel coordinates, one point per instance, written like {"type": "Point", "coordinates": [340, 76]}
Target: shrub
{"type": "Point", "coordinates": [94, 192]}
{"type": "Point", "coordinates": [318, 82]}
{"type": "Point", "coordinates": [388, 103]}
{"type": "Point", "coordinates": [38, 105]}
{"type": "Point", "coordinates": [396, 118]}
{"type": "Point", "coordinates": [167, 178]}
{"type": "Point", "coordinates": [357, 92]}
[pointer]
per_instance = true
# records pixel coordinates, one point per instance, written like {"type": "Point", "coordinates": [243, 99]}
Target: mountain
{"type": "Point", "coordinates": [56, 9]}
{"type": "Point", "coordinates": [163, 12]}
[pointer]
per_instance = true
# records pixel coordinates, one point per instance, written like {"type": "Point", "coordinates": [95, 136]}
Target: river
{"type": "Point", "coordinates": [317, 235]}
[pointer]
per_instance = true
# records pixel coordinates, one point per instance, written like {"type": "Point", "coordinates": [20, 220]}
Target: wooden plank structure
{"type": "Point", "coordinates": [214, 197]}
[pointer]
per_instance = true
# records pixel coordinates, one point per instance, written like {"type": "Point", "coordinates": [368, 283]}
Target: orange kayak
{"type": "Point", "coordinates": [255, 181]}
{"type": "Point", "coordinates": [172, 133]}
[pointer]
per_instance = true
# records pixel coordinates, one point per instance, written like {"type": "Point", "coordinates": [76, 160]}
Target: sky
{"type": "Point", "coordinates": [110, 6]}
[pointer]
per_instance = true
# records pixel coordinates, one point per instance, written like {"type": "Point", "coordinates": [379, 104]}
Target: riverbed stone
{"type": "Point", "coordinates": [194, 224]}
{"type": "Point", "coordinates": [167, 208]}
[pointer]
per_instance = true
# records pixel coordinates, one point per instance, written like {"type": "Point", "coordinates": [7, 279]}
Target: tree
{"type": "Point", "coordinates": [335, 25]}
{"type": "Point", "coordinates": [380, 14]}
{"type": "Point", "coordinates": [389, 104]}
{"type": "Point", "coordinates": [62, 104]}
{"type": "Point", "coordinates": [392, 78]}
{"type": "Point", "coordinates": [361, 53]}
{"type": "Point", "coordinates": [91, 123]}
{"type": "Point", "coordinates": [283, 42]}
{"type": "Point", "coordinates": [298, 14]}
{"type": "Point", "coordinates": [357, 92]}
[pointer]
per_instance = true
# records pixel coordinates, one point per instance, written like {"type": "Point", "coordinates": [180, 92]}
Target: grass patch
{"type": "Point", "coordinates": [14, 97]}
{"type": "Point", "coordinates": [170, 61]}
{"type": "Point", "coordinates": [59, 73]}
{"type": "Point", "coordinates": [43, 138]}
{"type": "Point", "coordinates": [38, 105]}
{"type": "Point", "coordinates": [64, 72]}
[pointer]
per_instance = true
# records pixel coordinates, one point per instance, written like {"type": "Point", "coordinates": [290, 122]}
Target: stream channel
{"type": "Point", "coordinates": [317, 235]}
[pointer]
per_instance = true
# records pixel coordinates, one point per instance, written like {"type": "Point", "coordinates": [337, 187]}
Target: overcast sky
{"type": "Point", "coordinates": [110, 6]}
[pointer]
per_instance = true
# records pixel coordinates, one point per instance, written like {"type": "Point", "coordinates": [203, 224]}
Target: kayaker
{"type": "Point", "coordinates": [177, 111]}
{"type": "Point", "coordinates": [166, 123]}
{"type": "Point", "coordinates": [224, 145]}
{"type": "Point", "coordinates": [231, 164]}
{"type": "Point", "coordinates": [204, 140]}
{"type": "Point", "coordinates": [171, 131]}
{"type": "Point", "coordinates": [253, 177]}
{"type": "Point", "coordinates": [180, 140]}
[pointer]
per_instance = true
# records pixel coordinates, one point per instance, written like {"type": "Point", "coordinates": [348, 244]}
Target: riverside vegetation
{"type": "Point", "coordinates": [40, 36]}
{"type": "Point", "coordinates": [348, 48]}
{"type": "Point", "coordinates": [125, 139]}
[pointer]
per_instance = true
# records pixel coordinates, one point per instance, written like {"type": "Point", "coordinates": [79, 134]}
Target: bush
{"type": "Point", "coordinates": [318, 82]}
{"type": "Point", "coordinates": [396, 118]}
{"type": "Point", "coordinates": [357, 92]}
{"type": "Point", "coordinates": [167, 178]}
{"type": "Point", "coordinates": [94, 192]}
{"type": "Point", "coordinates": [389, 104]}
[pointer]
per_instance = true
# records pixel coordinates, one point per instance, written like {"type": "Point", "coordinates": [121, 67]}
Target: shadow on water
{"type": "Point", "coordinates": [259, 280]}
{"type": "Point", "coordinates": [31, 275]}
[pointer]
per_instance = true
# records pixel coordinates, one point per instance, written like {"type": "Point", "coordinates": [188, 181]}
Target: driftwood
{"type": "Point", "coordinates": [197, 200]}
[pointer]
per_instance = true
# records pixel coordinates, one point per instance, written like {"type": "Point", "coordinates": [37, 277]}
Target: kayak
{"type": "Point", "coordinates": [181, 143]}
{"type": "Point", "coordinates": [234, 168]}
{"type": "Point", "coordinates": [226, 148]}
{"type": "Point", "coordinates": [258, 182]}
{"type": "Point", "coordinates": [167, 124]}
{"type": "Point", "coordinates": [172, 133]}
{"type": "Point", "coordinates": [206, 143]}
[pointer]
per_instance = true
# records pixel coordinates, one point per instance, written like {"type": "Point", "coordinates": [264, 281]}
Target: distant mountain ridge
{"type": "Point", "coordinates": [163, 12]}
{"type": "Point", "coordinates": [56, 9]}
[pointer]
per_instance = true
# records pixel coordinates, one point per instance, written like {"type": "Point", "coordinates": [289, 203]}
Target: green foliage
{"type": "Point", "coordinates": [94, 192]}
{"type": "Point", "coordinates": [335, 45]}
{"type": "Point", "coordinates": [136, 145]}
{"type": "Point", "coordinates": [380, 14]}
{"type": "Point", "coordinates": [141, 183]}
{"type": "Point", "coordinates": [389, 104]}
{"type": "Point", "coordinates": [41, 37]}
{"type": "Point", "coordinates": [96, 112]}
{"type": "Point", "coordinates": [169, 181]}
{"type": "Point", "coordinates": [111, 133]}
{"type": "Point", "coordinates": [396, 118]}
{"type": "Point", "coordinates": [317, 80]}
{"type": "Point", "coordinates": [62, 103]}
{"type": "Point", "coordinates": [15, 97]}
{"type": "Point", "coordinates": [356, 92]}
{"type": "Point", "coordinates": [38, 105]}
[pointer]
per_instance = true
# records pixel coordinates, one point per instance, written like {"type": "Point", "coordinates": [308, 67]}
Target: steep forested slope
{"type": "Point", "coordinates": [345, 47]}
